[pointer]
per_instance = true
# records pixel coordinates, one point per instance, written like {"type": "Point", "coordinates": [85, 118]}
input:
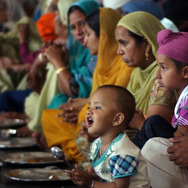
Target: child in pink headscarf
{"type": "Point", "coordinates": [172, 59]}
{"type": "Point", "coordinates": [168, 158]}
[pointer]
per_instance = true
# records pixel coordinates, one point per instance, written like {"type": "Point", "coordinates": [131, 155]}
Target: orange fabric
{"type": "Point", "coordinates": [46, 27]}
{"type": "Point", "coordinates": [60, 134]}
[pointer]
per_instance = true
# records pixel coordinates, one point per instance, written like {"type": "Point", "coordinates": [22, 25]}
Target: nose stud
{"type": "Point", "coordinates": [120, 51]}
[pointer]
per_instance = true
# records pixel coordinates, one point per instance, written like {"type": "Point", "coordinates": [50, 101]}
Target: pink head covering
{"type": "Point", "coordinates": [173, 45]}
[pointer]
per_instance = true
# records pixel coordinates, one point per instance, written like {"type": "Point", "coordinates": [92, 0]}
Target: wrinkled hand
{"type": "Point", "coordinates": [40, 140]}
{"type": "Point", "coordinates": [23, 32]}
{"type": "Point", "coordinates": [36, 77]}
{"type": "Point", "coordinates": [24, 132]}
{"type": "Point", "coordinates": [179, 151]}
{"type": "Point", "coordinates": [56, 53]}
{"type": "Point", "coordinates": [7, 63]}
{"type": "Point", "coordinates": [71, 109]}
{"type": "Point", "coordinates": [137, 121]}
{"type": "Point", "coordinates": [42, 58]}
{"type": "Point", "coordinates": [181, 131]}
{"type": "Point", "coordinates": [20, 67]}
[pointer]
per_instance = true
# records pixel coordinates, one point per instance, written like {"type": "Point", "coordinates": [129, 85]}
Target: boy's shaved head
{"type": "Point", "coordinates": [125, 101]}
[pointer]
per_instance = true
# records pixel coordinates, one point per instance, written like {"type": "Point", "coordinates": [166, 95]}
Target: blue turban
{"type": "Point", "coordinates": [143, 5]}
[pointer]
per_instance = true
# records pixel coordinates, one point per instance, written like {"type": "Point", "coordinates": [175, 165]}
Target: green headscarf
{"type": "Point", "coordinates": [79, 57]}
{"type": "Point", "coordinates": [9, 47]}
{"type": "Point", "coordinates": [143, 24]}
{"type": "Point", "coordinates": [141, 82]}
{"type": "Point", "coordinates": [88, 6]}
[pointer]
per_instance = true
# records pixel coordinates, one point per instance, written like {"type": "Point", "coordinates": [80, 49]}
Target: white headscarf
{"type": "Point", "coordinates": [169, 24]}
{"type": "Point", "coordinates": [114, 4]}
{"type": "Point", "coordinates": [63, 7]}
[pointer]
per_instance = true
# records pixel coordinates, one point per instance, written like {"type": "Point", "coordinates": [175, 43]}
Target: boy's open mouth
{"type": "Point", "coordinates": [89, 121]}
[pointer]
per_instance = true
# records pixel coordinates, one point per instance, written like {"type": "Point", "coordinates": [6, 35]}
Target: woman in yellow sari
{"type": "Point", "coordinates": [110, 69]}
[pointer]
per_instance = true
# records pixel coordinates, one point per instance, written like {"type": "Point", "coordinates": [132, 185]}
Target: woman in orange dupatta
{"type": "Point", "coordinates": [110, 69]}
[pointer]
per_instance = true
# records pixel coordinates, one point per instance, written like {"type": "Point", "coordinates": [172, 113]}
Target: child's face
{"type": "Point", "coordinates": [101, 112]}
{"type": "Point", "coordinates": [167, 74]}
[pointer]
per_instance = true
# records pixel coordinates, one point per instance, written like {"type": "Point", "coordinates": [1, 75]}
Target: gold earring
{"type": "Point", "coordinates": [147, 56]}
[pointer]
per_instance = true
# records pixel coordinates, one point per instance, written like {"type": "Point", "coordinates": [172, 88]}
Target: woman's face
{"type": "Point", "coordinates": [77, 22]}
{"type": "Point", "coordinates": [91, 40]}
{"type": "Point", "coordinates": [133, 54]}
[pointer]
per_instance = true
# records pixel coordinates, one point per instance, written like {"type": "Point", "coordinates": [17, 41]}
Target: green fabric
{"type": "Point", "coordinates": [5, 81]}
{"type": "Point", "coordinates": [9, 42]}
{"type": "Point", "coordinates": [79, 57]}
{"type": "Point", "coordinates": [35, 104]}
{"type": "Point", "coordinates": [140, 85]}
{"type": "Point", "coordinates": [9, 47]}
{"type": "Point", "coordinates": [88, 6]}
{"type": "Point", "coordinates": [141, 82]}
{"type": "Point", "coordinates": [144, 25]}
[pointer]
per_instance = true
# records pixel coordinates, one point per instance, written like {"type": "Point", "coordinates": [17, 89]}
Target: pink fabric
{"type": "Point", "coordinates": [173, 45]}
{"type": "Point", "coordinates": [27, 57]}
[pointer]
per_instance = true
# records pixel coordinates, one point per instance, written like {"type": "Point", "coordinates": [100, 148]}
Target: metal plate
{"type": "Point", "coordinates": [17, 142]}
{"type": "Point", "coordinates": [46, 174]}
{"type": "Point", "coordinates": [30, 158]}
{"type": "Point", "coordinates": [11, 123]}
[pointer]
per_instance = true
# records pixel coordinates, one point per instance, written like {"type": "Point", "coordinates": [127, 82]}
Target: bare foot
{"type": "Point", "coordinates": [40, 140]}
{"type": "Point", "coordinates": [24, 132]}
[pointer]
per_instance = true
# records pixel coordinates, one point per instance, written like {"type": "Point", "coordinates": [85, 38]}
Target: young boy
{"type": "Point", "coordinates": [117, 162]}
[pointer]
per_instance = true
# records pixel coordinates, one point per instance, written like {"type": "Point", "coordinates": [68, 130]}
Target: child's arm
{"type": "Point", "coordinates": [90, 180]}
{"type": "Point", "coordinates": [81, 177]}
{"type": "Point", "coordinates": [87, 180]}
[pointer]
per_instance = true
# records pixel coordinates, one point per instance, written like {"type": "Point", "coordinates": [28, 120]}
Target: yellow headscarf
{"type": "Point", "coordinates": [141, 82]}
{"type": "Point", "coordinates": [110, 67]}
{"type": "Point", "coordinates": [143, 24]}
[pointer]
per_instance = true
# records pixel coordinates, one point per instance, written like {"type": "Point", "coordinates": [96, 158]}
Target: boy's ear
{"type": "Point", "coordinates": [118, 119]}
{"type": "Point", "coordinates": [185, 72]}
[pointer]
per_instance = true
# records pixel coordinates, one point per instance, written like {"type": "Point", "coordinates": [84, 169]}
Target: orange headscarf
{"type": "Point", "coordinates": [46, 27]}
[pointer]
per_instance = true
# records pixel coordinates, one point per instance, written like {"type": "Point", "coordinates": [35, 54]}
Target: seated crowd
{"type": "Point", "coordinates": [104, 80]}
